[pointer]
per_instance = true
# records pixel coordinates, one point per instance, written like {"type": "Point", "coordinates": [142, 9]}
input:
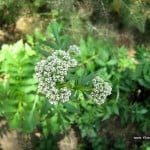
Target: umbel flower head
{"type": "Point", "coordinates": [74, 49]}
{"type": "Point", "coordinates": [101, 90]}
{"type": "Point", "coordinates": [52, 71]}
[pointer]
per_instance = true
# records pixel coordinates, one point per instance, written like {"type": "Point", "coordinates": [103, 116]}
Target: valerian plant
{"type": "Point", "coordinates": [51, 74]}
{"type": "Point", "coordinates": [98, 61]}
{"type": "Point", "coordinates": [53, 86]}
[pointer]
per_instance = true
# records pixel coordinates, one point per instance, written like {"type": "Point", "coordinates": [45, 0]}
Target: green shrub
{"type": "Point", "coordinates": [26, 109]}
{"type": "Point", "coordinates": [18, 87]}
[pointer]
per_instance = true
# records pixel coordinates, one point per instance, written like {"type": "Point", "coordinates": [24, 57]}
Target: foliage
{"type": "Point", "coordinates": [143, 69]}
{"type": "Point", "coordinates": [26, 109]}
{"type": "Point", "coordinates": [10, 10]}
{"type": "Point", "coordinates": [115, 66]}
{"type": "Point", "coordinates": [18, 87]}
{"type": "Point", "coordinates": [134, 13]}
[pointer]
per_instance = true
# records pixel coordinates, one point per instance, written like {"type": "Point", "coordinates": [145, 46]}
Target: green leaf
{"type": "Point", "coordinates": [83, 49]}
{"type": "Point", "coordinates": [80, 72]}
{"type": "Point", "coordinates": [15, 122]}
{"type": "Point", "coordinates": [41, 51]}
{"type": "Point", "coordinates": [86, 79]}
{"type": "Point", "coordinates": [104, 74]}
{"type": "Point", "coordinates": [28, 89]}
{"type": "Point", "coordinates": [143, 83]}
{"type": "Point", "coordinates": [92, 133]}
{"type": "Point", "coordinates": [54, 126]}
{"type": "Point", "coordinates": [49, 44]}
{"type": "Point", "coordinates": [39, 36]}
{"type": "Point", "coordinates": [106, 116]}
{"type": "Point", "coordinates": [31, 122]}
{"type": "Point", "coordinates": [100, 62]}
{"type": "Point", "coordinates": [28, 82]}
{"type": "Point", "coordinates": [45, 131]}
{"type": "Point", "coordinates": [142, 111]}
{"type": "Point", "coordinates": [70, 108]}
{"type": "Point", "coordinates": [29, 98]}
{"type": "Point", "coordinates": [112, 62]}
{"type": "Point", "coordinates": [147, 78]}
{"type": "Point", "coordinates": [56, 28]}
{"type": "Point", "coordinates": [29, 51]}
{"type": "Point", "coordinates": [30, 39]}
{"type": "Point", "coordinates": [9, 108]}
{"type": "Point", "coordinates": [90, 66]}
{"type": "Point", "coordinates": [27, 71]}
{"type": "Point", "coordinates": [115, 109]}
{"type": "Point", "coordinates": [65, 42]}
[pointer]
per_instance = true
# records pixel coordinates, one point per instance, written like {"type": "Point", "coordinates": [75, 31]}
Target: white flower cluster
{"type": "Point", "coordinates": [51, 71]}
{"type": "Point", "coordinates": [101, 90]}
{"type": "Point", "coordinates": [74, 49]}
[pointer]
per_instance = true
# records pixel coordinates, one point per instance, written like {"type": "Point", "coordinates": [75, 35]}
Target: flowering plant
{"type": "Point", "coordinates": [51, 74]}
{"type": "Point", "coordinates": [73, 86]}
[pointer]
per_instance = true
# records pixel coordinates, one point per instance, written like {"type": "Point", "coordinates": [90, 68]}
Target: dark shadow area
{"type": "Point", "coordinates": [3, 128]}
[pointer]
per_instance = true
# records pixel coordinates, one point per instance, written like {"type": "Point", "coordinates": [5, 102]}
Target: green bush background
{"type": "Point", "coordinates": [112, 125]}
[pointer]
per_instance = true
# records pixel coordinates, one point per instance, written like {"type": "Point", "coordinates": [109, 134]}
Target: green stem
{"type": "Point", "coordinates": [80, 88]}
{"type": "Point", "coordinates": [118, 94]}
{"type": "Point", "coordinates": [35, 102]}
